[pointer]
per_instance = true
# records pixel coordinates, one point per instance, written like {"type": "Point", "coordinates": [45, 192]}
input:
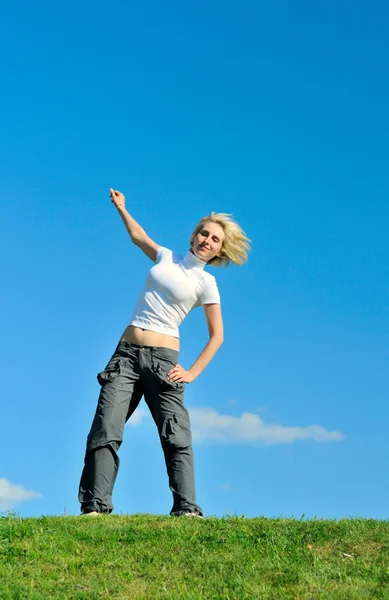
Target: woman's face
{"type": "Point", "coordinates": [208, 242]}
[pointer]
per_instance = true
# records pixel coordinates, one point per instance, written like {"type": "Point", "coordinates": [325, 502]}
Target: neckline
{"type": "Point", "coordinates": [190, 260]}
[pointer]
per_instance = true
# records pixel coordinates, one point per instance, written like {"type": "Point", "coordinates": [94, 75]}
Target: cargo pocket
{"type": "Point", "coordinates": [111, 372]}
{"type": "Point", "coordinates": [176, 434]}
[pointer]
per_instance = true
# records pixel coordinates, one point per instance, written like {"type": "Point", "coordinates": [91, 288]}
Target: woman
{"type": "Point", "coordinates": [145, 361]}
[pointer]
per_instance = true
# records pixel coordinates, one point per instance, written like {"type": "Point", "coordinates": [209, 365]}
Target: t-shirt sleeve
{"type": "Point", "coordinates": [210, 293]}
{"type": "Point", "coordinates": [162, 253]}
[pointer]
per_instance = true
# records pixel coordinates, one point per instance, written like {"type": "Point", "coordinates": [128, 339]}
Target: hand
{"type": "Point", "coordinates": [180, 375]}
{"type": "Point", "coordinates": [117, 198]}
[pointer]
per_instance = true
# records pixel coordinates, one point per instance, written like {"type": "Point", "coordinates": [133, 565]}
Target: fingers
{"type": "Point", "coordinates": [177, 374]}
{"type": "Point", "coordinates": [176, 379]}
{"type": "Point", "coordinates": [116, 197]}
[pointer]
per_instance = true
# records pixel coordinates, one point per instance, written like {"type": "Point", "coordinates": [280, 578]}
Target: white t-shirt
{"type": "Point", "coordinates": [174, 286]}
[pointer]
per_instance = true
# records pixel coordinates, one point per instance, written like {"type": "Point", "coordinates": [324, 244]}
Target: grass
{"type": "Point", "coordinates": [144, 556]}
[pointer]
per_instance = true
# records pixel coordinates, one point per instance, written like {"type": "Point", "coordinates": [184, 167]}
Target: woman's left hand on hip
{"type": "Point", "coordinates": [180, 375]}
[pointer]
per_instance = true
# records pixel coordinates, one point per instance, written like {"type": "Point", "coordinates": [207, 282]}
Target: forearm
{"type": "Point", "coordinates": [206, 356]}
{"type": "Point", "coordinates": [136, 232]}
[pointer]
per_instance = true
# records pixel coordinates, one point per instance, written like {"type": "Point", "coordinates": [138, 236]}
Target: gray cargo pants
{"type": "Point", "coordinates": [134, 371]}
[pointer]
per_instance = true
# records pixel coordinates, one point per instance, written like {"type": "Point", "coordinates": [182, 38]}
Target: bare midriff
{"type": "Point", "coordinates": [145, 337]}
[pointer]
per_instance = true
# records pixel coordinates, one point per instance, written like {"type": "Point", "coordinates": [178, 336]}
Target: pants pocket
{"type": "Point", "coordinates": [111, 372]}
{"type": "Point", "coordinates": [176, 434]}
{"type": "Point", "coordinates": [161, 369]}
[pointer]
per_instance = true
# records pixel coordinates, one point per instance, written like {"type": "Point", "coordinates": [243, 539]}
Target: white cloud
{"type": "Point", "coordinates": [11, 494]}
{"type": "Point", "coordinates": [209, 425]}
{"type": "Point", "coordinates": [226, 487]}
{"type": "Point", "coordinates": [137, 417]}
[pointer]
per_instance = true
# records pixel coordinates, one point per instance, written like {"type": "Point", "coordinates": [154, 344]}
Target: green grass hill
{"type": "Point", "coordinates": [120, 557]}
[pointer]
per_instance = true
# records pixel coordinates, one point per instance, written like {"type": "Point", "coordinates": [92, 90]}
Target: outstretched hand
{"type": "Point", "coordinates": [180, 375]}
{"type": "Point", "coordinates": [117, 198]}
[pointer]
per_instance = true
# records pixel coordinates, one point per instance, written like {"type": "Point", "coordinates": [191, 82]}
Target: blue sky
{"type": "Point", "coordinates": [274, 112]}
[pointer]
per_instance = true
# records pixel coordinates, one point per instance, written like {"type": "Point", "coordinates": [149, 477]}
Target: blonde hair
{"type": "Point", "coordinates": [235, 245]}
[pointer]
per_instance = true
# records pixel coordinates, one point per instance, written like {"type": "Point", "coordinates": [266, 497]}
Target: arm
{"type": "Point", "coordinates": [137, 234]}
{"type": "Point", "coordinates": [213, 315]}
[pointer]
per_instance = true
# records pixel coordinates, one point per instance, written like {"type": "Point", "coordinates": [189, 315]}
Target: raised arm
{"type": "Point", "coordinates": [137, 234]}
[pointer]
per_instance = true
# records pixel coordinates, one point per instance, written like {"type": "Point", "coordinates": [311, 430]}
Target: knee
{"type": "Point", "coordinates": [98, 444]}
{"type": "Point", "coordinates": [103, 437]}
{"type": "Point", "coordinates": [104, 431]}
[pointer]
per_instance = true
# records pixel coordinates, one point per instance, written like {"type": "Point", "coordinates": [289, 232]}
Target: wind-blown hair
{"type": "Point", "coordinates": [236, 243]}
